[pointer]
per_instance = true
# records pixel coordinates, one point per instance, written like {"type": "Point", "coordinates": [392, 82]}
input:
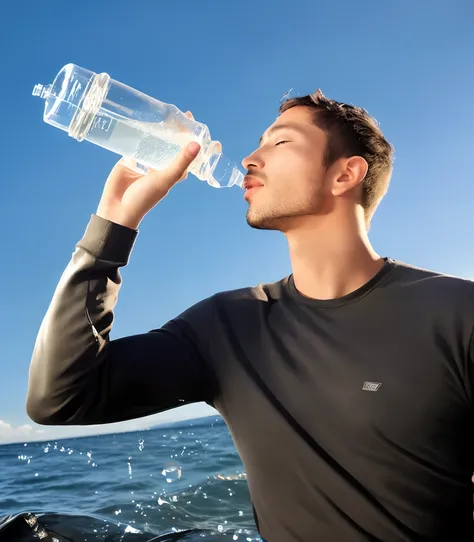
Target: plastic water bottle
{"type": "Point", "coordinates": [95, 108]}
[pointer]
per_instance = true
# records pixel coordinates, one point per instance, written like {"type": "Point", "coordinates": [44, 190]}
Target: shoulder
{"type": "Point", "coordinates": [263, 292]}
{"type": "Point", "coordinates": [235, 302]}
{"type": "Point", "coordinates": [432, 284]}
{"type": "Point", "coordinates": [418, 275]}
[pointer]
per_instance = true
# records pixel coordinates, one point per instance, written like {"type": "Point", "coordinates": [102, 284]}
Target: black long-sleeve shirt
{"type": "Point", "coordinates": [353, 417]}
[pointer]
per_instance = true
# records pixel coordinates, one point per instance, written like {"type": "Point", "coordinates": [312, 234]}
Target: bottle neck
{"type": "Point", "coordinates": [215, 168]}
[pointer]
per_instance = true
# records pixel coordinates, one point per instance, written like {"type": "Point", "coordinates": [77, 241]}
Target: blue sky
{"type": "Point", "coordinates": [411, 64]}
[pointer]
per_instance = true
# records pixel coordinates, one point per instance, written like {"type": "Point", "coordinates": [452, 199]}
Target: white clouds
{"type": "Point", "coordinates": [33, 432]}
{"type": "Point", "coordinates": [22, 433]}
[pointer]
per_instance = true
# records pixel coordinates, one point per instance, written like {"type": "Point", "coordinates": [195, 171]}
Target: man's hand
{"type": "Point", "coordinates": [128, 196]}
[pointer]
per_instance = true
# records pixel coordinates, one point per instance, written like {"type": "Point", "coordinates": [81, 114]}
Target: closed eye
{"type": "Point", "coordinates": [280, 142]}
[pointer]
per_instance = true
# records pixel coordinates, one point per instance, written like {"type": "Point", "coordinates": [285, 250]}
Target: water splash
{"type": "Point", "coordinates": [90, 462]}
{"type": "Point", "coordinates": [213, 493]}
{"type": "Point", "coordinates": [130, 529]}
{"type": "Point", "coordinates": [172, 472]}
{"type": "Point", "coordinates": [238, 476]}
{"type": "Point", "coordinates": [26, 458]}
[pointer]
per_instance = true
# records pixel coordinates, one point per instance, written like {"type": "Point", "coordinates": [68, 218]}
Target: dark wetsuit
{"type": "Point", "coordinates": [353, 417]}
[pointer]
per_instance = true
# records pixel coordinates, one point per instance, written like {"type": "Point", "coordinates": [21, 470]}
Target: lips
{"type": "Point", "coordinates": [251, 185]}
{"type": "Point", "coordinates": [251, 191]}
{"type": "Point", "coordinates": [251, 182]}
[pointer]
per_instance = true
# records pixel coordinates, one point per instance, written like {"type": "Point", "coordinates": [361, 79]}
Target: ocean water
{"type": "Point", "coordinates": [185, 478]}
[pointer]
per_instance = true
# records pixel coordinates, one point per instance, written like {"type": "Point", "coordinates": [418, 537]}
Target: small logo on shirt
{"type": "Point", "coordinates": [371, 386]}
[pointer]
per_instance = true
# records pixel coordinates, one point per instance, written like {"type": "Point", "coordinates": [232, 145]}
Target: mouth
{"type": "Point", "coordinates": [249, 192]}
{"type": "Point", "coordinates": [251, 185]}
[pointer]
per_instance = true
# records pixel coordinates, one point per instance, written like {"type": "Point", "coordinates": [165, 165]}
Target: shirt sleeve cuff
{"type": "Point", "coordinates": [106, 240]}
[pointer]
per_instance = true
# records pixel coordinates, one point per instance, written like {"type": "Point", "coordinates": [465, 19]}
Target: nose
{"type": "Point", "coordinates": [253, 160]}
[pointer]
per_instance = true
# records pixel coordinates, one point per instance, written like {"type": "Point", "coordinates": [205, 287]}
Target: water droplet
{"type": "Point", "coordinates": [172, 472]}
{"type": "Point", "coordinates": [141, 444]}
{"type": "Point", "coordinates": [31, 520]}
{"type": "Point", "coordinates": [117, 512]}
{"type": "Point", "coordinates": [220, 528]}
{"type": "Point", "coordinates": [26, 458]}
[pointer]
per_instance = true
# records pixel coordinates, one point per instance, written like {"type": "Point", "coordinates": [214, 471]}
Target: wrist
{"type": "Point", "coordinates": [106, 240]}
{"type": "Point", "coordinates": [117, 216]}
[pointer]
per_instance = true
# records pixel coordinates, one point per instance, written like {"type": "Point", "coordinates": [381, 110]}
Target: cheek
{"type": "Point", "coordinates": [302, 174]}
{"type": "Point", "coordinates": [287, 163]}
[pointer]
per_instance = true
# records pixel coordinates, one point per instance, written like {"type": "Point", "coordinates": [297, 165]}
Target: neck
{"type": "Point", "coordinates": [331, 256]}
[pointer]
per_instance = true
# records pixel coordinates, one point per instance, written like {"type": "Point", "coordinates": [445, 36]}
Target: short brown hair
{"type": "Point", "coordinates": [352, 131]}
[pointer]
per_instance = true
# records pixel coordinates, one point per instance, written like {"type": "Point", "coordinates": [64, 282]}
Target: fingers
{"type": "Point", "coordinates": [120, 178]}
{"type": "Point", "coordinates": [190, 116]}
{"type": "Point", "coordinates": [177, 170]}
{"type": "Point", "coordinates": [135, 193]}
{"type": "Point", "coordinates": [132, 165]}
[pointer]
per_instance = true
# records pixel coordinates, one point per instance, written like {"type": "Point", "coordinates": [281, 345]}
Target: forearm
{"type": "Point", "coordinates": [77, 324]}
{"type": "Point", "coordinates": [79, 376]}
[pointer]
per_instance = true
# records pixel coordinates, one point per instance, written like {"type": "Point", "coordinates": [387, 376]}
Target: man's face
{"type": "Point", "coordinates": [286, 173]}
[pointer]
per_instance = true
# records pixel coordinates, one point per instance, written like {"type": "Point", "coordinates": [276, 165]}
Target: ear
{"type": "Point", "coordinates": [351, 172]}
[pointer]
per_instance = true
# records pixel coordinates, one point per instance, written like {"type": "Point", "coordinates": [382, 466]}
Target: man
{"type": "Point", "coordinates": [347, 387]}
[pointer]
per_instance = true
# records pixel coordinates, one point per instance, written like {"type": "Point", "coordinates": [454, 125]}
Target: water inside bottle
{"type": "Point", "coordinates": [150, 144]}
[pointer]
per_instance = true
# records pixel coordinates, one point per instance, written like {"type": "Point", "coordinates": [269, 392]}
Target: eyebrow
{"type": "Point", "coordinates": [279, 127]}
